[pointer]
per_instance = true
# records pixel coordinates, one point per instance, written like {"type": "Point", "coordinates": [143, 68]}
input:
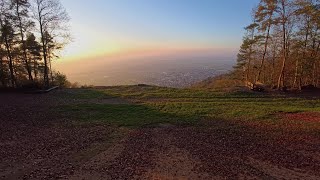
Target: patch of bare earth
{"type": "Point", "coordinates": [302, 117]}
{"type": "Point", "coordinates": [172, 162]}
{"type": "Point", "coordinates": [169, 152]}
{"type": "Point", "coordinates": [36, 143]}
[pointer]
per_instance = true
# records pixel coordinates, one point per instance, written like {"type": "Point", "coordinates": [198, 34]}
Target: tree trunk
{"type": "Point", "coordinates": [250, 56]}
{"type": "Point", "coordinates": [315, 70]}
{"type": "Point", "coordinates": [300, 75]}
{"type": "Point", "coordinates": [273, 70]}
{"type": "Point", "coordinates": [35, 71]}
{"type": "Point", "coordinates": [2, 72]}
{"type": "Point", "coordinates": [265, 51]}
{"type": "Point", "coordinates": [296, 75]}
{"type": "Point", "coordinates": [51, 74]}
{"type": "Point", "coordinates": [281, 79]}
{"type": "Point", "coordinates": [9, 55]}
{"type": "Point", "coordinates": [248, 70]}
{"type": "Point", "coordinates": [44, 51]}
{"type": "Point", "coordinates": [28, 68]}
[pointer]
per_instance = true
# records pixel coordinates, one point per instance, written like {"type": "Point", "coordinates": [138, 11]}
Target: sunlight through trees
{"type": "Point", "coordinates": [32, 32]}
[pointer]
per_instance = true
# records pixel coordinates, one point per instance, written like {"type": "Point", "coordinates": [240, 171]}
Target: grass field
{"type": "Point", "coordinates": [148, 132]}
{"type": "Point", "coordinates": [149, 105]}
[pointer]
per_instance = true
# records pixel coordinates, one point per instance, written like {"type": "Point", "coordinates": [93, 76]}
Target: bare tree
{"type": "Point", "coordinates": [51, 18]}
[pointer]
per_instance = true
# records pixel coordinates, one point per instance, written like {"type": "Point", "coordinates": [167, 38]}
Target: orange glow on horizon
{"type": "Point", "coordinates": [118, 53]}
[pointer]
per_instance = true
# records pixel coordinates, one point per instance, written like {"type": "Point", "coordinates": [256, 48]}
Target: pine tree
{"type": "Point", "coordinates": [264, 17]}
{"type": "Point", "coordinates": [23, 23]}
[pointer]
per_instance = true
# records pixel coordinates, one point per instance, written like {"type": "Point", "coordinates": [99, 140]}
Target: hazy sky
{"type": "Point", "coordinates": [115, 27]}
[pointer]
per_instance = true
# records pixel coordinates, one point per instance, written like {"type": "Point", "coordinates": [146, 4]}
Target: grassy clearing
{"type": "Point", "coordinates": [119, 115]}
{"type": "Point", "coordinates": [180, 106]}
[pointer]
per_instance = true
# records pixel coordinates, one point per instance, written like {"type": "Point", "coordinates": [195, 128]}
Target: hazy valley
{"type": "Point", "coordinates": [170, 71]}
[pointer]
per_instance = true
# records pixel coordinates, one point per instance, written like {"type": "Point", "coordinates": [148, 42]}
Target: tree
{"type": "Point", "coordinates": [245, 55]}
{"type": "Point", "coordinates": [282, 19]}
{"type": "Point", "coordinates": [50, 16]}
{"type": "Point", "coordinates": [2, 67]}
{"type": "Point", "coordinates": [22, 23]}
{"type": "Point", "coordinates": [21, 8]}
{"type": "Point", "coordinates": [61, 80]}
{"type": "Point", "coordinates": [286, 45]}
{"type": "Point", "coordinates": [51, 46]}
{"type": "Point", "coordinates": [33, 52]}
{"type": "Point", "coordinates": [264, 17]}
{"type": "Point", "coordinates": [8, 39]}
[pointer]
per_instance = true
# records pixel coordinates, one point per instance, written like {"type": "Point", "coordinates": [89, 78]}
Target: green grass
{"type": "Point", "coordinates": [84, 94]}
{"type": "Point", "coordinates": [120, 115]}
{"type": "Point", "coordinates": [180, 106]}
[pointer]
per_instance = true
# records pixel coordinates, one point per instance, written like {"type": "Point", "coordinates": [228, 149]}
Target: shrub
{"type": "Point", "coordinates": [61, 80]}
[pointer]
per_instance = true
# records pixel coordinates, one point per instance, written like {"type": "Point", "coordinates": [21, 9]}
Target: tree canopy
{"type": "Point", "coordinates": [282, 46]}
{"type": "Point", "coordinates": [31, 33]}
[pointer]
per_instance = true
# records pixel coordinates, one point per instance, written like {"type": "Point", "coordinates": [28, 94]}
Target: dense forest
{"type": "Point", "coordinates": [32, 32]}
{"type": "Point", "coordinates": [281, 48]}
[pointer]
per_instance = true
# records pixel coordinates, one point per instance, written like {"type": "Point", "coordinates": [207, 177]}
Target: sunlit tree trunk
{"type": "Point", "coordinates": [281, 79]}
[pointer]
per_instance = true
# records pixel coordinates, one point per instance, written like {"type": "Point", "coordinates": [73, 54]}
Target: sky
{"type": "Point", "coordinates": [112, 28]}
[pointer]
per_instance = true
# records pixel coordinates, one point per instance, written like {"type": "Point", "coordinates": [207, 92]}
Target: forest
{"type": "Point", "coordinates": [32, 34]}
{"type": "Point", "coordinates": [281, 47]}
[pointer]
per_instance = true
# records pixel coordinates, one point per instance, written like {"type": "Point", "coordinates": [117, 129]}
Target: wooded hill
{"type": "Point", "coordinates": [31, 32]}
{"type": "Point", "coordinates": [281, 48]}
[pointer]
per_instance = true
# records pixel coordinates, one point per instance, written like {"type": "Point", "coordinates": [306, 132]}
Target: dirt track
{"type": "Point", "coordinates": [35, 144]}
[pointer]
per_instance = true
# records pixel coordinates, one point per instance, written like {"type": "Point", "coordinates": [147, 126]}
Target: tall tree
{"type": "Point", "coordinates": [50, 16]}
{"type": "Point", "coordinates": [20, 9]}
{"type": "Point", "coordinates": [51, 46]}
{"type": "Point", "coordinates": [245, 55]}
{"type": "Point", "coordinates": [287, 43]}
{"type": "Point", "coordinates": [283, 19]}
{"type": "Point", "coordinates": [33, 53]}
{"type": "Point", "coordinates": [264, 17]}
{"type": "Point", "coordinates": [8, 36]}
{"type": "Point", "coordinates": [2, 66]}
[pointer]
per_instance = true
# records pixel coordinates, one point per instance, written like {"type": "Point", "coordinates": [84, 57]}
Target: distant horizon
{"type": "Point", "coordinates": [162, 70]}
{"type": "Point", "coordinates": [134, 31]}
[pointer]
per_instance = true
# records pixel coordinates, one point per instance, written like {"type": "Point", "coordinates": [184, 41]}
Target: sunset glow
{"type": "Point", "coordinates": [123, 27]}
{"type": "Point", "coordinates": [111, 38]}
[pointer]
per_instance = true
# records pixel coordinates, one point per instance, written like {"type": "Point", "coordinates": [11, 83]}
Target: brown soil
{"type": "Point", "coordinates": [37, 144]}
{"type": "Point", "coordinates": [302, 117]}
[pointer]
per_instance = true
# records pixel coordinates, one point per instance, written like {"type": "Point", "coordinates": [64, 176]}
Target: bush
{"type": "Point", "coordinates": [27, 84]}
{"type": "Point", "coordinates": [61, 80]}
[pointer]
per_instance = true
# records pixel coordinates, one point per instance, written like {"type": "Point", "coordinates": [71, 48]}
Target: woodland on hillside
{"type": "Point", "coordinates": [281, 48]}
{"type": "Point", "coordinates": [31, 34]}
